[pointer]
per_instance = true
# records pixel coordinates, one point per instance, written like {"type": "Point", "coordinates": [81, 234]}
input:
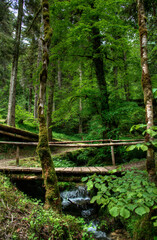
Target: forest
{"type": "Point", "coordinates": [81, 70]}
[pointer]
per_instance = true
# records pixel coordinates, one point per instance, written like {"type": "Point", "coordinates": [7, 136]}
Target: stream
{"type": "Point", "coordinates": [77, 203]}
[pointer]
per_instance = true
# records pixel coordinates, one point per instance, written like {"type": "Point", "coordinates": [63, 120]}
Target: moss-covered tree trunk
{"type": "Point", "coordinates": [52, 196]}
{"type": "Point", "coordinates": [147, 87]}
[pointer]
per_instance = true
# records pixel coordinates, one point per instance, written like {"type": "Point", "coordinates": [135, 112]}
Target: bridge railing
{"type": "Point", "coordinates": [79, 144]}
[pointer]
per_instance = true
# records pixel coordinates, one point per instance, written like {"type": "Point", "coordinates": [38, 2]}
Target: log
{"type": "Point", "coordinates": [91, 141]}
{"type": "Point", "coordinates": [14, 135]}
{"type": "Point", "coordinates": [96, 145]}
{"type": "Point", "coordinates": [18, 131]}
{"type": "Point", "coordinates": [20, 143]}
{"type": "Point", "coordinates": [74, 145]}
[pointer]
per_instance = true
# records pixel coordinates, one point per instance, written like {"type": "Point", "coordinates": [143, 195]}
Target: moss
{"type": "Point", "coordinates": [46, 56]}
{"type": "Point", "coordinates": [43, 75]}
{"type": "Point", "coordinates": [48, 35]}
{"type": "Point", "coordinates": [144, 229]}
{"type": "Point", "coordinates": [45, 14]}
{"type": "Point", "coordinates": [45, 4]}
{"type": "Point", "coordinates": [52, 196]}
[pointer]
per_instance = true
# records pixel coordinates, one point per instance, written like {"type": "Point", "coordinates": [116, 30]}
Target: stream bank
{"type": "Point", "coordinates": [76, 202]}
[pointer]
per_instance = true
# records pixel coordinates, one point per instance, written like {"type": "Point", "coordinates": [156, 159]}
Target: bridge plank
{"type": "Point", "coordinates": [77, 169]}
{"type": "Point", "coordinates": [102, 169]}
{"type": "Point", "coordinates": [110, 167]}
{"type": "Point", "coordinates": [94, 169]}
{"type": "Point", "coordinates": [66, 170]}
{"type": "Point", "coordinates": [85, 170]}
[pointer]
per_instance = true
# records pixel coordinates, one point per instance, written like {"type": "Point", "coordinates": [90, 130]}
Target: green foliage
{"type": "Point", "coordinates": [152, 131]}
{"type": "Point", "coordinates": [23, 218]}
{"type": "Point", "coordinates": [155, 92]}
{"type": "Point", "coordinates": [130, 193]}
{"type": "Point", "coordinates": [25, 120]}
{"type": "Point", "coordinates": [60, 161]}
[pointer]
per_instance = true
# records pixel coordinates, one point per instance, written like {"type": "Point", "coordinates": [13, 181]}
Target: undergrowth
{"type": "Point", "coordinates": [22, 218]}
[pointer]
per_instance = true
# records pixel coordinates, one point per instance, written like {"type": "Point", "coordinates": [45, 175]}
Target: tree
{"type": "Point", "coordinates": [52, 197]}
{"type": "Point", "coordinates": [6, 43]}
{"type": "Point", "coordinates": [12, 91]}
{"type": "Point", "coordinates": [51, 86]}
{"type": "Point", "coordinates": [147, 88]}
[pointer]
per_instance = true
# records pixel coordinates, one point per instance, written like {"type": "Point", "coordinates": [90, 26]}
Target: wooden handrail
{"type": "Point", "coordinates": [82, 144]}
{"type": "Point", "coordinates": [73, 143]}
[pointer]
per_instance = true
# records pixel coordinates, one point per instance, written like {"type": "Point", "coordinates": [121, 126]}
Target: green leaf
{"type": "Point", "coordinates": [114, 211]}
{"type": "Point", "coordinates": [89, 185]}
{"type": "Point", "coordinates": [131, 206]}
{"type": "Point", "coordinates": [137, 127]}
{"type": "Point", "coordinates": [155, 225]}
{"type": "Point", "coordinates": [155, 190]}
{"type": "Point", "coordinates": [154, 143]}
{"type": "Point", "coordinates": [130, 148]}
{"type": "Point", "coordinates": [95, 198]}
{"type": "Point", "coordinates": [124, 213]}
{"type": "Point", "coordinates": [151, 132]}
{"type": "Point", "coordinates": [98, 185]}
{"type": "Point", "coordinates": [142, 210]}
{"type": "Point", "coordinates": [144, 147]}
{"type": "Point", "coordinates": [84, 179]}
{"type": "Point", "coordinates": [103, 188]}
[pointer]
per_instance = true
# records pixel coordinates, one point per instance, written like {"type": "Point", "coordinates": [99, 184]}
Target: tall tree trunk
{"type": "Point", "coordinates": [100, 75]}
{"type": "Point", "coordinates": [30, 95]}
{"type": "Point", "coordinates": [80, 102]}
{"type": "Point", "coordinates": [36, 102]}
{"type": "Point", "coordinates": [52, 196]}
{"type": "Point", "coordinates": [126, 81]}
{"type": "Point", "coordinates": [59, 74]}
{"type": "Point", "coordinates": [13, 79]}
{"type": "Point", "coordinates": [147, 88]}
{"type": "Point", "coordinates": [51, 84]}
{"type": "Point", "coordinates": [39, 59]}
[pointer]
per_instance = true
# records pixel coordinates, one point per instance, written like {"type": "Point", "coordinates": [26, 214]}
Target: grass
{"type": "Point", "coordinates": [35, 162]}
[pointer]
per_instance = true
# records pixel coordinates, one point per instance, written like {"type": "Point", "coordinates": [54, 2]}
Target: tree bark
{"type": "Point", "coordinates": [80, 102]}
{"type": "Point", "coordinates": [39, 60]}
{"type": "Point", "coordinates": [100, 75]}
{"type": "Point", "coordinates": [52, 196]}
{"type": "Point", "coordinates": [126, 81]}
{"type": "Point", "coordinates": [147, 88]}
{"type": "Point", "coordinates": [99, 69]}
{"type": "Point", "coordinates": [50, 103]}
{"type": "Point", "coordinates": [13, 79]}
{"type": "Point", "coordinates": [59, 74]}
{"type": "Point", "coordinates": [30, 95]}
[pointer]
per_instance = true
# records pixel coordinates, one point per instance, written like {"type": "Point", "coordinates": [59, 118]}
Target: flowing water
{"type": "Point", "coordinates": [77, 203]}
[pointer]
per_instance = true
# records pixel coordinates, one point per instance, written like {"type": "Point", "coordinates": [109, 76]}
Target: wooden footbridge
{"type": "Point", "coordinates": [30, 139]}
{"type": "Point", "coordinates": [63, 174]}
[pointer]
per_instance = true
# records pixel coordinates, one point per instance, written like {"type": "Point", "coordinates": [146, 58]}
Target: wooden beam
{"type": "Point", "coordinates": [18, 131]}
{"type": "Point", "coordinates": [92, 141]}
{"type": "Point", "coordinates": [14, 135]}
{"type": "Point", "coordinates": [74, 145]}
{"type": "Point", "coordinates": [96, 145]}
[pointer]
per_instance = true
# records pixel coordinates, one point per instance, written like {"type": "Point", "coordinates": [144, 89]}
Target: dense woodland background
{"type": "Point", "coordinates": [94, 69]}
{"type": "Point", "coordinates": [89, 57]}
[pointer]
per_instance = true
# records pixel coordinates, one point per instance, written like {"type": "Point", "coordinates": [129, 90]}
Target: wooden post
{"type": "Point", "coordinates": [17, 155]}
{"type": "Point", "coordinates": [112, 154]}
